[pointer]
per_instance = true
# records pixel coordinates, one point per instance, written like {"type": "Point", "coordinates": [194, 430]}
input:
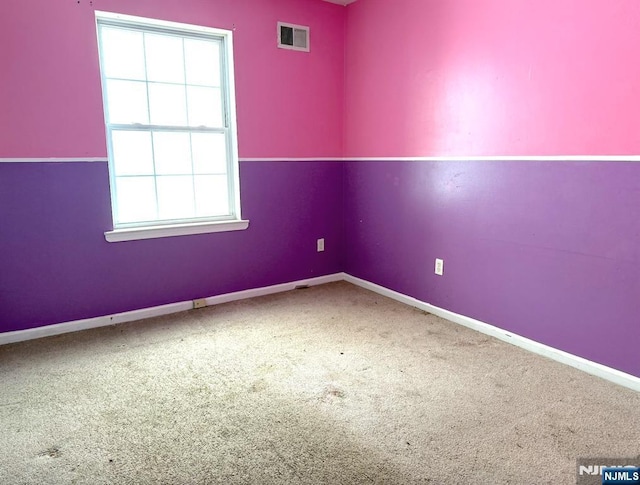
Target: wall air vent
{"type": "Point", "coordinates": [295, 37]}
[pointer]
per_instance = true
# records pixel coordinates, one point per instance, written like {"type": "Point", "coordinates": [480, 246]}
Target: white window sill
{"type": "Point", "coordinates": [152, 232]}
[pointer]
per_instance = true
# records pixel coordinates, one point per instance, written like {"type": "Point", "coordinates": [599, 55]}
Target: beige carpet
{"type": "Point", "coordinates": [332, 384]}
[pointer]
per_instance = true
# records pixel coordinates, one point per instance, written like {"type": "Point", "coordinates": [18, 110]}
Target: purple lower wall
{"type": "Point", "coordinates": [56, 266]}
{"type": "Point", "coordinates": [550, 251]}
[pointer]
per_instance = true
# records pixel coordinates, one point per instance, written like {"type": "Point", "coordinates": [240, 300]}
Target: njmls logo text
{"type": "Point", "coordinates": [616, 475]}
{"type": "Point", "coordinates": [608, 471]}
{"type": "Point", "coordinates": [599, 469]}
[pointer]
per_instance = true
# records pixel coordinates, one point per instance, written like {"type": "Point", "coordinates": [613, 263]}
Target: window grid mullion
{"type": "Point", "coordinates": [169, 175]}
{"type": "Point", "coordinates": [181, 129]}
{"type": "Point", "coordinates": [173, 83]}
{"type": "Point", "coordinates": [186, 101]}
{"type": "Point", "coordinates": [153, 148]}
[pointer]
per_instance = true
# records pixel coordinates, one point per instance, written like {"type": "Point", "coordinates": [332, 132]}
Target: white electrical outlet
{"type": "Point", "coordinates": [439, 266]}
{"type": "Point", "coordinates": [320, 245]}
{"type": "Point", "coordinates": [200, 303]}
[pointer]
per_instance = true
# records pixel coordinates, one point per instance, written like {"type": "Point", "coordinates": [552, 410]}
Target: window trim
{"type": "Point", "coordinates": [153, 232]}
{"type": "Point", "coordinates": [168, 228]}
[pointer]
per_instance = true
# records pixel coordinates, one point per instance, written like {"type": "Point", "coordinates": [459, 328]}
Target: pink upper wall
{"type": "Point", "coordinates": [492, 77]}
{"type": "Point", "coordinates": [289, 104]}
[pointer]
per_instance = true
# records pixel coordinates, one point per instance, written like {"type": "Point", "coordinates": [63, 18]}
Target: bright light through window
{"type": "Point", "coordinates": [170, 125]}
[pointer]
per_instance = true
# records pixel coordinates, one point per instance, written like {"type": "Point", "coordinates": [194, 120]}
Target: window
{"type": "Point", "coordinates": [170, 120]}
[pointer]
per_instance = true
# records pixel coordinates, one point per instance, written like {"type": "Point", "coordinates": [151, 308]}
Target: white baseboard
{"type": "Point", "coordinates": [130, 316]}
{"type": "Point", "coordinates": [599, 370]}
{"type": "Point", "coordinates": [268, 290]}
{"type": "Point", "coordinates": [608, 373]}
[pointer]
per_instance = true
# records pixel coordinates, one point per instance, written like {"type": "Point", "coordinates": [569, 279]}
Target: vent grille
{"type": "Point", "coordinates": [294, 37]}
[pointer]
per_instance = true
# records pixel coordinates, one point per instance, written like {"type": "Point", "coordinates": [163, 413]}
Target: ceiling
{"type": "Point", "coordinates": [341, 2]}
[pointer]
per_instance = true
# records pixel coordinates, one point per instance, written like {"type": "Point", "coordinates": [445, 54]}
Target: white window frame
{"type": "Point", "coordinates": [178, 227]}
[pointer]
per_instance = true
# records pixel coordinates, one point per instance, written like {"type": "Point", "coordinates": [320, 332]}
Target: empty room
{"type": "Point", "coordinates": [319, 241]}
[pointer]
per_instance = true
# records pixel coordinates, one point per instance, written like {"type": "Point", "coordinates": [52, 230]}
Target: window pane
{"type": "Point", "coordinates": [167, 103]}
{"type": "Point", "coordinates": [122, 53]}
{"type": "Point", "coordinates": [164, 98]}
{"type": "Point", "coordinates": [202, 59]}
{"type": "Point", "coordinates": [175, 197]}
{"type": "Point", "coordinates": [165, 59]}
{"type": "Point", "coordinates": [212, 195]}
{"type": "Point", "coordinates": [127, 102]}
{"type": "Point", "coordinates": [205, 106]}
{"type": "Point", "coordinates": [132, 154]}
{"type": "Point", "coordinates": [172, 153]}
{"type": "Point", "coordinates": [136, 199]}
{"type": "Point", "coordinates": [209, 153]}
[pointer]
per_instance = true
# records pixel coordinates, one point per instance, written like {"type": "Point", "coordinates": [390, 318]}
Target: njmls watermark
{"type": "Point", "coordinates": [604, 471]}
